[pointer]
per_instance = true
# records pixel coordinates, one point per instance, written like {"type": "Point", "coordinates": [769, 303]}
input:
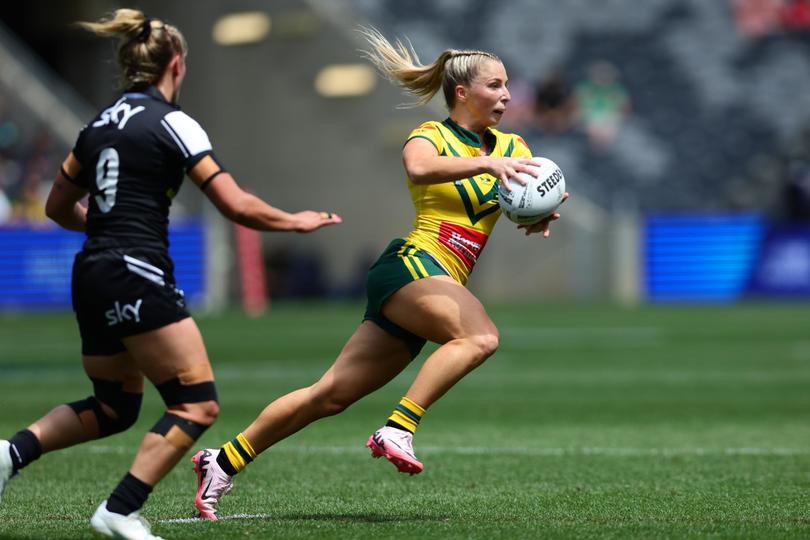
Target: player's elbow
{"type": "Point", "coordinates": [55, 211]}
{"type": "Point", "coordinates": [50, 211]}
{"type": "Point", "coordinates": [417, 171]}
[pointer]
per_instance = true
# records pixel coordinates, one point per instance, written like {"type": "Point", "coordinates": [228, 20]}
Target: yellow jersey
{"type": "Point", "coordinates": [454, 219]}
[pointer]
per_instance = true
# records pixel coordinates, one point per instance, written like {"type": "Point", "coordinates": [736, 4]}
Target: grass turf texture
{"type": "Point", "coordinates": [589, 422]}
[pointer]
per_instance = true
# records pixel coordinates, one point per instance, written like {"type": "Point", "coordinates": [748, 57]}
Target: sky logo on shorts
{"type": "Point", "coordinates": [127, 312]}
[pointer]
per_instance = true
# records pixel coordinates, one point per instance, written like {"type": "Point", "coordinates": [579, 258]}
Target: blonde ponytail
{"type": "Point", "coordinates": [146, 45]}
{"type": "Point", "coordinates": [400, 64]}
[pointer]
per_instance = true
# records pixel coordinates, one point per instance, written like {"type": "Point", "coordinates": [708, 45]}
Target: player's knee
{"type": "Point", "coordinates": [328, 399]}
{"type": "Point", "coordinates": [204, 413]}
{"type": "Point", "coordinates": [198, 398]}
{"type": "Point", "coordinates": [126, 414]}
{"type": "Point", "coordinates": [109, 411]}
{"type": "Point", "coordinates": [335, 404]}
{"type": "Point", "coordinates": [211, 412]}
{"type": "Point", "coordinates": [192, 408]}
{"type": "Point", "coordinates": [485, 345]}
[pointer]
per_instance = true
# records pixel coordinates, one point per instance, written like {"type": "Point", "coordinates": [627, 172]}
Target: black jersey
{"type": "Point", "coordinates": [134, 156]}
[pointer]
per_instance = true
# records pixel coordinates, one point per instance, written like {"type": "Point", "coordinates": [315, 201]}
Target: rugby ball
{"type": "Point", "coordinates": [539, 198]}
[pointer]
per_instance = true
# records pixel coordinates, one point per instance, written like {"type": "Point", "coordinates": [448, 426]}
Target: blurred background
{"type": "Point", "coordinates": [682, 126]}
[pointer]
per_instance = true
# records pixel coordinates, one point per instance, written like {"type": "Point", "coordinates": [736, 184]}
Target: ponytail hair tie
{"type": "Point", "coordinates": [145, 31]}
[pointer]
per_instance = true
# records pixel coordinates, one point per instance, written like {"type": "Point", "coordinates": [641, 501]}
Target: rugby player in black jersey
{"type": "Point", "coordinates": [131, 160]}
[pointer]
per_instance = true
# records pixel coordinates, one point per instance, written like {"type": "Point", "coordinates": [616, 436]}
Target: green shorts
{"type": "Point", "coordinates": [398, 265]}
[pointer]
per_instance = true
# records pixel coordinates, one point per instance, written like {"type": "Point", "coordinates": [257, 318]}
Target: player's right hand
{"type": "Point", "coordinates": [506, 169]}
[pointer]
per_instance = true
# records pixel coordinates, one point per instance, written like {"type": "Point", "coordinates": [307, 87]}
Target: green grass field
{"type": "Point", "coordinates": [589, 422]}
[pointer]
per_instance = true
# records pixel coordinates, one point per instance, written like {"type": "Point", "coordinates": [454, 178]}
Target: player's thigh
{"type": "Point", "coordinates": [370, 359]}
{"type": "Point", "coordinates": [117, 367]}
{"type": "Point", "coordinates": [174, 351]}
{"type": "Point", "coordinates": [439, 309]}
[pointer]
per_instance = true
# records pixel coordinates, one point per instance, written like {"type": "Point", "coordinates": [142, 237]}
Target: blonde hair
{"type": "Point", "coordinates": [146, 45]}
{"type": "Point", "coordinates": [400, 64]}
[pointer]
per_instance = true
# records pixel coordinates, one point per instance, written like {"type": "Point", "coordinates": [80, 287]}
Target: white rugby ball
{"type": "Point", "coordinates": [539, 198]}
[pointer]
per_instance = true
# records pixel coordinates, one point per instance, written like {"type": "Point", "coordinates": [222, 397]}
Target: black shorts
{"type": "Point", "coordinates": [122, 292]}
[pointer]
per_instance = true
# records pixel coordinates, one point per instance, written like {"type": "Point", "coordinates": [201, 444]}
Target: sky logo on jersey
{"type": "Point", "coordinates": [127, 312]}
{"type": "Point", "coordinates": [120, 113]}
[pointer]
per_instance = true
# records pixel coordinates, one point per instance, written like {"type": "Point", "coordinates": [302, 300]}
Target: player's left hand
{"type": "Point", "coordinates": [308, 220]}
{"type": "Point", "coordinates": [543, 226]}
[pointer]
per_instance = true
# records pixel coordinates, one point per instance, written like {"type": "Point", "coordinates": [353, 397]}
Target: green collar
{"type": "Point", "coordinates": [468, 137]}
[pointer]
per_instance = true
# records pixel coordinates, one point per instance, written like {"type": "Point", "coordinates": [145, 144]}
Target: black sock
{"type": "Point", "coordinates": [222, 461]}
{"type": "Point", "coordinates": [25, 448]}
{"type": "Point", "coordinates": [129, 496]}
{"type": "Point", "coordinates": [393, 424]}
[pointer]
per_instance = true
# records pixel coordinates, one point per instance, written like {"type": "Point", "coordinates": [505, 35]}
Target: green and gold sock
{"type": "Point", "coordinates": [236, 455]}
{"type": "Point", "coordinates": [406, 416]}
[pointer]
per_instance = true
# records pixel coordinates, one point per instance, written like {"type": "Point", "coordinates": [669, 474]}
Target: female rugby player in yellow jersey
{"type": "Point", "coordinates": [416, 289]}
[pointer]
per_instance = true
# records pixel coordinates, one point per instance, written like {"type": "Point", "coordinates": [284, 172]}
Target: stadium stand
{"type": "Point", "coordinates": [710, 102]}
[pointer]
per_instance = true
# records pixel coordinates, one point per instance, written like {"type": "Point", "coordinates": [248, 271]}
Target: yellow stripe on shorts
{"type": "Point", "coordinates": [408, 264]}
{"type": "Point", "coordinates": [419, 264]}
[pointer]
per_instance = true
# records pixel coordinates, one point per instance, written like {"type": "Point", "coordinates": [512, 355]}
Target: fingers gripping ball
{"type": "Point", "coordinates": [539, 198]}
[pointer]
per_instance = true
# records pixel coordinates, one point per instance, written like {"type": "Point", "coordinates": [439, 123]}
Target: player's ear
{"type": "Point", "coordinates": [461, 93]}
{"type": "Point", "coordinates": [176, 65]}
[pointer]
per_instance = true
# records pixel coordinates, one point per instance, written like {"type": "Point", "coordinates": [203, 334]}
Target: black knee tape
{"type": "Point", "coordinates": [180, 432]}
{"type": "Point", "coordinates": [89, 404]}
{"type": "Point", "coordinates": [174, 392]}
{"type": "Point", "coordinates": [125, 404]}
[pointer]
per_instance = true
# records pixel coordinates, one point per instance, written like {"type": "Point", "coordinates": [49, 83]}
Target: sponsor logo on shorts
{"type": "Point", "coordinates": [126, 312]}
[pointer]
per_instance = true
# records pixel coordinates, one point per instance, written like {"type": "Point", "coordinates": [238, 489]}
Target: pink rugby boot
{"type": "Point", "coordinates": [396, 446]}
{"type": "Point", "coordinates": [212, 482]}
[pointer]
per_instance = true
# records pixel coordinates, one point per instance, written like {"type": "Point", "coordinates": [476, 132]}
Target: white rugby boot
{"type": "Point", "coordinates": [6, 466]}
{"type": "Point", "coordinates": [112, 525]}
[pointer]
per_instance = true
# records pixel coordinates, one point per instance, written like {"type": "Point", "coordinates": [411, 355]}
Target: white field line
{"type": "Point", "coordinates": [523, 451]}
{"type": "Point", "coordinates": [221, 518]}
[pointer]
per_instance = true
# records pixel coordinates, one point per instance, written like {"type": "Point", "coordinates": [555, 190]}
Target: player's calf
{"type": "Point", "coordinates": [197, 403]}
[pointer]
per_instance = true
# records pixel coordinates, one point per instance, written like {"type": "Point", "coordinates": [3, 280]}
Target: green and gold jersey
{"type": "Point", "coordinates": [454, 219]}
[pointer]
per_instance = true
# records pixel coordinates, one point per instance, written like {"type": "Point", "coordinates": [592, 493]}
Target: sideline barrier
{"type": "Point", "coordinates": [721, 258]}
{"type": "Point", "coordinates": [36, 262]}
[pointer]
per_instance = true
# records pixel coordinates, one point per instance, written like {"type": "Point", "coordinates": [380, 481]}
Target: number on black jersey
{"type": "Point", "coordinates": [107, 179]}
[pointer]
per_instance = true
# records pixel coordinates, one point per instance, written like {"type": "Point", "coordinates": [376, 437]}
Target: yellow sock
{"type": "Point", "coordinates": [239, 452]}
{"type": "Point", "coordinates": [407, 414]}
